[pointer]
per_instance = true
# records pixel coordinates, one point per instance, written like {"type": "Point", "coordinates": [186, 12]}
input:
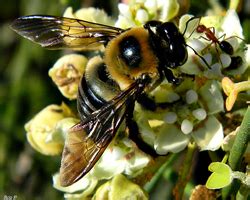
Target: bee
{"type": "Point", "coordinates": [135, 61]}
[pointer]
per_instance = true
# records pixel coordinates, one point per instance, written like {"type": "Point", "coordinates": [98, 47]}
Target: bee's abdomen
{"type": "Point", "coordinates": [87, 101]}
{"type": "Point", "coordinates": [95, 89]}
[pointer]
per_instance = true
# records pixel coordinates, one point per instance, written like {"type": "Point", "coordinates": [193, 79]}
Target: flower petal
{"type": "Point", "coordinates": [230, 19]}
{"type": "Point", "coordinates": [212, 97]}
{"type": "Point", "coordinates": [169, 9]}
{"type": "Point", "coordinates": [67, 72]}
{"type": "Point", "coordinates": [170, 139]}
{"type": "Point", "coordinates": [90, 14]}
{"type": "Point", "coordinates": [41, 130]}
{"type": "Point", "coordinates": [210, 135]}
{"type": "Point", "coordinates": [109, 164]}
{"type": "Point", "coordinates": [82, 189]}
{"type": "Point", "coordinates": [120, 188]}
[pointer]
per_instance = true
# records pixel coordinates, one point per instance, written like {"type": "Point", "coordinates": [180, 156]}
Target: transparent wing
{"type": "Point", "coordinates": [84, 145]}
{"type": "Point", "coordinates": [87, 140]}
{"type": "Point", "coordinates": [61, 32]}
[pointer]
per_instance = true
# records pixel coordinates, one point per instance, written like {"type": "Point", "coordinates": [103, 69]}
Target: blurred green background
{"type": "Point", "coordinates": [25, 89]}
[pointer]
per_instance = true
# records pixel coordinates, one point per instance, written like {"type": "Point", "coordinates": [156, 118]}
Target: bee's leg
{"type": "Point", "coordinates": [135, 135]}
{"type": "Point", "coordinates": [174, 80]}
{"type": "Point", "coordinates": [170, 77]}
{"type": "Point", "coordinates": [147, 102]}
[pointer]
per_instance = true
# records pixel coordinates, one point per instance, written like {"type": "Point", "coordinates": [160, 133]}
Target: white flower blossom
{"type": "Point", "coordinates": [137, 13]}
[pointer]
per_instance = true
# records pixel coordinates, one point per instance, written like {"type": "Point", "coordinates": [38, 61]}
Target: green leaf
{"type": "Point", "coordinates": [221, 176]}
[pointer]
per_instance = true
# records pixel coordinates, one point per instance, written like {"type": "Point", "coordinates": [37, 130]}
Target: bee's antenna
{"type": "Point", "coordinates": [203, 59]}
{"type": "Point", "coordinates": [191, 19]}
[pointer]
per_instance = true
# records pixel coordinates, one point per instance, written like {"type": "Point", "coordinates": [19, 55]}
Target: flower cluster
{"type": "Point", "coordinates": [191, 111]}
{"type": "Point", "coordinates": [137, 12]}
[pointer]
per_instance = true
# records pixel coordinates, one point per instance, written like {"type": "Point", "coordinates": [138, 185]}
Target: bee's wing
{"type": "Point", "coordinates": [84, 145]}
{"type": "Point", "coordinates": [87, 140]}
{"type": "Point", "coordinates": [61, 32]}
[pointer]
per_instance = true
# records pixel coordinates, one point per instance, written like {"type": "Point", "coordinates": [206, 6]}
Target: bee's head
{"type": "Point", "coordinates": [168, 43]}
{"type": "Point", "coordinates": [130, 57]}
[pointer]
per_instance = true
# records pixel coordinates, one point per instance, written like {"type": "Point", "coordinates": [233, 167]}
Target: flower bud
{"type": "Point", "coordinates": [67, 72]}
{"type": "Point", "coordinates": [120, 188]}
{"type": "Point", "coordinates": [42, 133]}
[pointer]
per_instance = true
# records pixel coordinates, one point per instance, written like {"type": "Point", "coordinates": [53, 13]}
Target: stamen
{"type": "Point", "coordinates": [199, 114]}
{"type": "Point", "coordinates": [191, 96]}
{"type": "Point", "coordinates": [170, 117]}
{"type": "Point", "coordinates": [186, 126]}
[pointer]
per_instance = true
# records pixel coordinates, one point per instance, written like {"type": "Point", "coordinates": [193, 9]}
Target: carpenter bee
{"type": "Point", "coordinates": [135, 61]}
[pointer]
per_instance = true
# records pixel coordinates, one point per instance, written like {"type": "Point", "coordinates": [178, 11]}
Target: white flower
{"type": "Point", "coordinates": [210, 135]}
{"type": "Point", "coordinates": [219, 61]}
{"type": "Point", "coordinates": [168, 9]}
{"type": "Point", "coordinates": [67, 72]}
{"type": "Point", "coordinates": [232, 18]}
{"type": "Point", "coordinates": [172, 128]}
{"type": "Point", "coordinates": [45, 132]}
{"type": "Point", "coordinates": [90, 14]}
{"type": "Point", "coordinates": [212, 97]}
{"type": "Point", "coordinates": [120, 187]}
{"type": "Point", "coordinates": [170, 139]}
{"type": "Point", "coordinates": [137, 13]}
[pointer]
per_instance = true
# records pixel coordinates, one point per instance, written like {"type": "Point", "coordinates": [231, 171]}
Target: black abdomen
{"type": "Point", "coordinates": [95, 89]}
{"type": "Point", "coordinates": [87, 101]}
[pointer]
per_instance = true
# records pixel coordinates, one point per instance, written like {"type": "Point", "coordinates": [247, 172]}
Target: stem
{"type": "Point", "coordinates": [224, 160]}
{"type": "Point", "coordinates": [185, 172]}
{"type": "Point", "coordinates": [241, 176]}
{"type": "Point", "coordinates": [240, 143]}
{"type": "Point", "coordinates": [234, 4]}
{"type": "Point", "coordinates": [242, 86]}
{"type": "Point", "coordinates": [151, 185]}
{"type": "Point", "coordinates": [214, 156]}
{"type": "Point", "coordinates": [237, 152]}
{"type": "Point", "coordinates": [243, 193]}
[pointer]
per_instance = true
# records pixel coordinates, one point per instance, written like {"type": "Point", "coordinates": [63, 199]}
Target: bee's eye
{"type": "Point", "coordinates": [168, 30]}
{"type": "Point", "coordinates": [130, 51]}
